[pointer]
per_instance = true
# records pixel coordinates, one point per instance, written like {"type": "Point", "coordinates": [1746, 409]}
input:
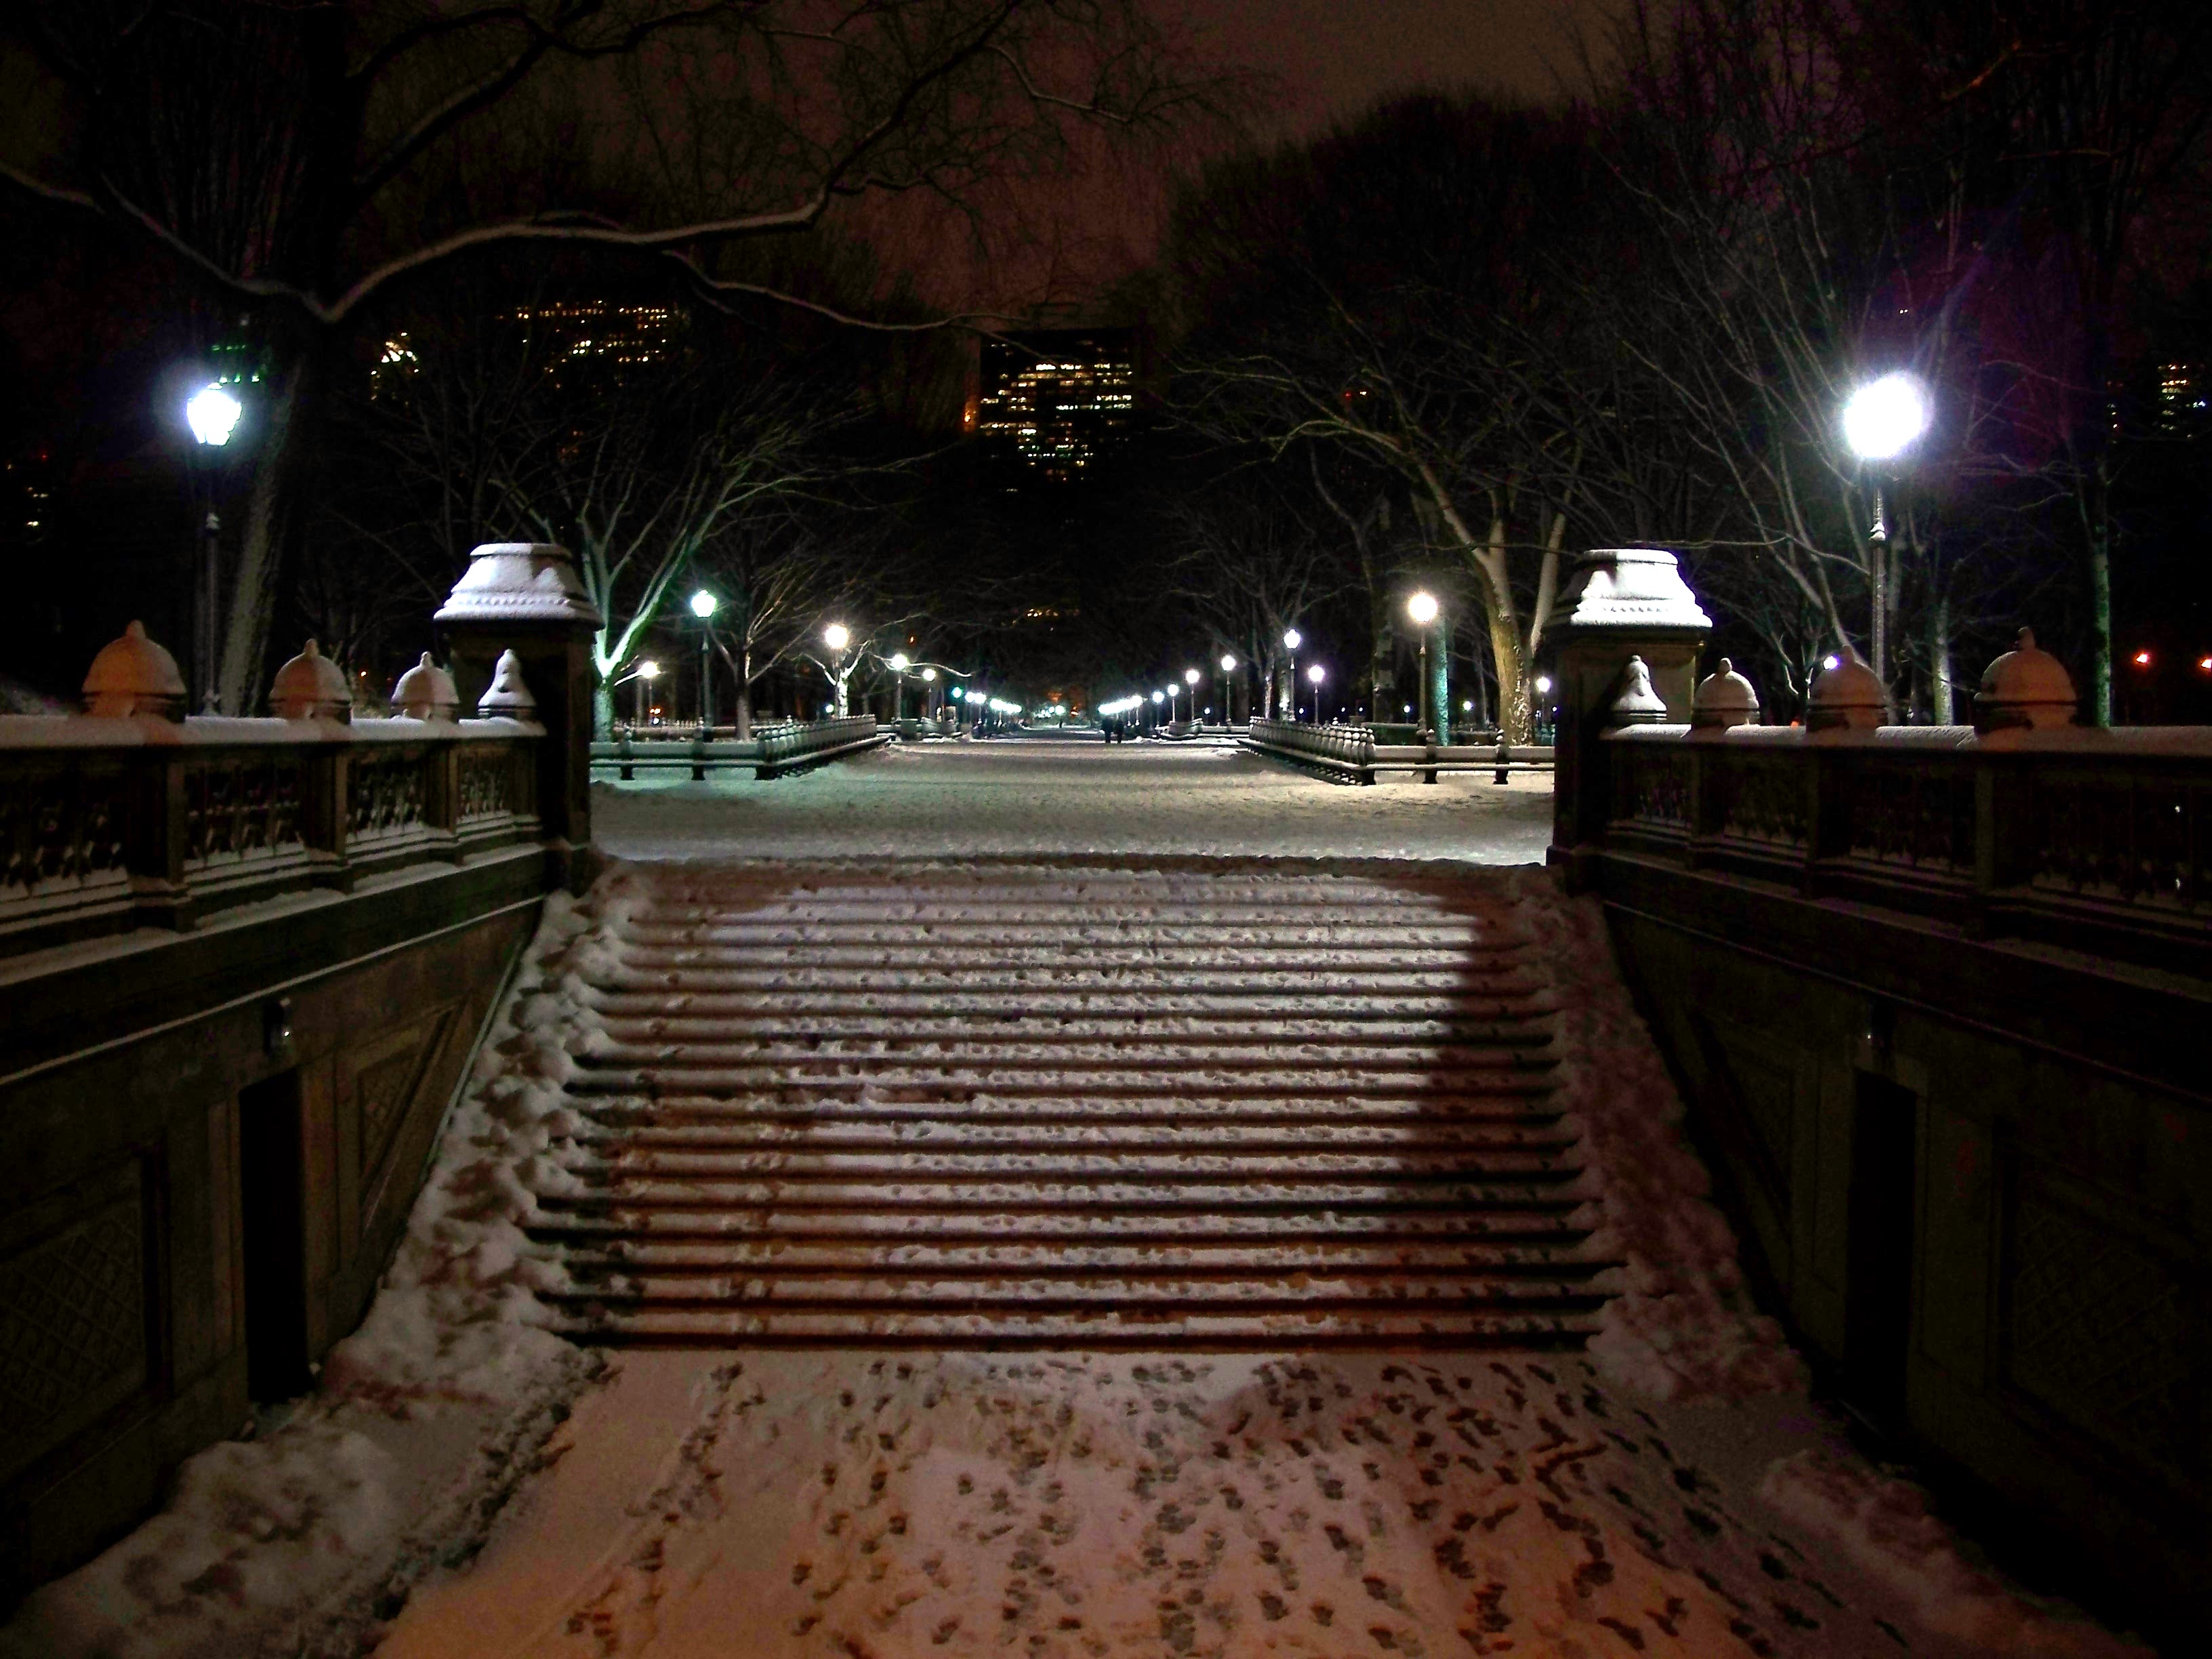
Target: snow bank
{"type": "Point", "coordinates": [1683, 1324]}
{"type": "Point", "coordinates": [1884, 1527]}
{"type": "Point", "coordinates": [296, 1541]}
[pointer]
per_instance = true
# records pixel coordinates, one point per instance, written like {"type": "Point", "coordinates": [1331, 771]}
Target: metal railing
{"type": "Point", "coordinates": [107, 824]}
{"type": "Point", "coordinates": [2100, 840]}
{"type": "Point", "coordinates": [1344, 752]}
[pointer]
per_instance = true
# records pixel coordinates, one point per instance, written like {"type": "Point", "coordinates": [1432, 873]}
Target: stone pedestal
{"type": "Point", "coordinates": [1623, 602]}
{"type": "Point", "coordinates": [526, 597]}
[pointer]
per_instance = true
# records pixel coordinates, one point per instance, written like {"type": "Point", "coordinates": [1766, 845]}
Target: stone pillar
{"type": "Point", "coordinates": [1621, 602]}
{"type": "Point", "coordinates": [525, 597]}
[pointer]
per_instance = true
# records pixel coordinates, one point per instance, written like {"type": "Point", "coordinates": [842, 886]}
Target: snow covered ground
{"type": "Point", "coordinates": [1027, 795]}
{"type": "Point", "coordinates": [1672, 1492]}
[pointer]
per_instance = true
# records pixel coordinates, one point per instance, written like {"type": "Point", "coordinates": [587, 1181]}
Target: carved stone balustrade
{"type": "Point", "coordinates": [109, 824]}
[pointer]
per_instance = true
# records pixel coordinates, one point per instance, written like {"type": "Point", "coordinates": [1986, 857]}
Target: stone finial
{"type": "Point", "coordinates": [132, 675]}
{"type": "Point", "coordinates": [427, 692]}
{"type": "Point", "coordinates": [2025, 689]}
{"type": "Point", "coordinates": [520, 582]}
{"type": "Point", "coordinates": [508, 696]}
{"type": "Point", "coordinates": [310, 687]}
{"type": "Point", "coordinates": [1724, 699]}
{"type": "Point", "coordinates": [1847, 697]}
{"type": "Point", "coordinates": [1633, 587]}
{"type": "Point", "coordinates": [1637, 703]}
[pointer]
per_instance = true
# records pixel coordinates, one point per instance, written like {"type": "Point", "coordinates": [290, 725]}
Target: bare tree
{"type": "Point", "coordinates": [305, 159]}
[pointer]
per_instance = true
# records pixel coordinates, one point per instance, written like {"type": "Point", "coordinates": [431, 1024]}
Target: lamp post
{"type": "Point", "coordinates": [837, 638]}
{"type": "Point", "coordinates": [928, 679]}
{"type": "Point", "coordinates": [1190, 677]}
{"type": "Point", "coordinates": [1291, 640]}
{"type": "Point", "coordinates": [1316, 675]}
{"type": "Point", "coordinates": [900, 663]}
{"type": "Point", "coordinates": [211, 413]}
{"type": "Point", "coordinates": [1157, 698]}
{"type": "Point", "coordinates": [1228, 690]}
{"type": "Point", "coordinates": [1422, 608]}
{"type": "Point", "coordinates": [1882, 420]}
{"type": "Point", "coordinates": [648, 672]}
{"type": "Point", "coordinates": [703, 606]}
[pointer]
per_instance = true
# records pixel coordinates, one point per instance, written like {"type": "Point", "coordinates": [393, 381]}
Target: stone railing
{"type": "Point", "coordinates": [1351, 752]}
{"type": "Point", "coordinates": [1343, 752]}
{"type": "Point", "coordinates": [109, 824]}
{"type": "Point", "coordinates": [2101, 839]}
{"type": "Point", "coordinates": [791, 746]}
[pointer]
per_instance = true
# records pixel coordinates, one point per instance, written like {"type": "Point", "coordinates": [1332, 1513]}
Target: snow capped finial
{"type": "Point", "coordinates": [508, 696]}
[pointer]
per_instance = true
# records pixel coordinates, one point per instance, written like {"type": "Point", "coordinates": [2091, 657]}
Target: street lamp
{"type": "Point", "coordinates": [900, 663]}
{"type": "Point", "coordinates": [703, 606]}
{"type": "Point", "coordinates": [1190, 678]}
{"type": "Point", "coordinates": [1291, 640]}
{"type": "Point", "coordinates": [1882, 420]}
{"type": "Point", "coordinates": [648, 672]}
{"type": "Point", "coordinates": [1422, 608]}
{"type": "Point", "coordinates": [1317, 674]}
{"type": "Point", "coordinates": [1228, 689]}
{"type": "Point", "coordinates": [212, 415]}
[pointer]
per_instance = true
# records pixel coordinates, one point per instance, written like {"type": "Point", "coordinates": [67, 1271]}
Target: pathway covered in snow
{"type": "Point", "coordinates": [1666, 1487]}
{"type": "Point", "coordinates": [1015, 795]}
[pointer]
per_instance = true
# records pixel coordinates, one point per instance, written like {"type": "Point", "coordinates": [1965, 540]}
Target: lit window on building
{"type": "Point", "coordinates": [1060, 403]}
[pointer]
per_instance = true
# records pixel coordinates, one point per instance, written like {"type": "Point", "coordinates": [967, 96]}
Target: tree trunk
{"type": "Point", "coordinates": [1515, 719]}
{"type": "Point", "coordinates": [1382, 660]}
{"type": "Point", "coordinates": [1939, 658]}
{"type": "Point", "coordinates": [1440, 680]}
{"type": "Point", "coordinates": [602, 710]}
{"type": "Point", "coordinates": [254, 590]}
{"type": "Point", "coordinates": [2096, 511]}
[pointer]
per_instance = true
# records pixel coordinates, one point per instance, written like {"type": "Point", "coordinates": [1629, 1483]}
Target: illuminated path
{"type": "Point", "coordinates": [1013, 796]}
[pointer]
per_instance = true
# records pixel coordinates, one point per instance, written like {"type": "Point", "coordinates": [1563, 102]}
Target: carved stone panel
{"type": "Point", "coordinates": [2104, 1328]}
{"type": "Point", "coordinates": [72, 1315]}
{"type": "Point", "coordinates": [240, 808]}
{"type": "Point", "coordinates": [382, 1079]}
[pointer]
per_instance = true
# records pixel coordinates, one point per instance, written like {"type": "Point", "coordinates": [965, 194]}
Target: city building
{"type": "Point", "coordinates": [1056, 402]}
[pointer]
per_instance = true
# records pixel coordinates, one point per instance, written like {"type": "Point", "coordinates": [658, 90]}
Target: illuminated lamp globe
{"type": "Point", "coordinates": [1543, 685]}
{"type": "Point", "coordinates": [901, 661]}
{"type": "Point", "coordinates": [703, 604]}
{"type": "Point", "coordinates": [1316, 673]}
{"type": "Point", "coordinates": [957, 695]}
{"type": "Point", "coordinates": [648, 669]}
{"type": "Point", "coordinates": [1422, 608]}
{"type": "Point", "coordinates": [835, 637]}
{"type": "Point", "coordinates": [1159, 696]}
{"type": "Point", "coordinates": [1293, 639]}
{"type": "Point", "coordinates": [212, 414]}
{"type": "Point", "coordinates": [1190, 676]}
{"type": "Point", "coordinates": [929, 677]}
{"type": "Point", "coordinates": [1885, 416]}
{"type": "Point", "coordinates": [1228, 664]}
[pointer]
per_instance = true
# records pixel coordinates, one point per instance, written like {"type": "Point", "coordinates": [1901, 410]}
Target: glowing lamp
{"type": "Point", "coordinates": [1159, 696]}
{"type": "Point", "coordinates": [703, 604]}
{"type": "Point", "coordinates": [1190, 676]}
{"type": "Point", "coordinates": [929, 677]}
{"type": "Point", "coordinates": [1293, 639]}
{"type": "Point", "coordinates": [212, 414]}
{"type": "Point", "coordinates": [648, 669]}
{"type": "Point", "coordinates": [1228, 664]}
{"type": "Point", "coordinates": [1422, 608]}
{"type": "Point", "coordinates": [900, 661]}
{"type": "Point", "coordinates": [2142, 658]}
{"type": "Point", "coordinates": [1543, 685]}
{"type": "Point", "coordinates": [1316, 673]}
{"type": "Point", "coordinates": [1884, 416]}
{"type": "Point", "coordinates": [835, 637]}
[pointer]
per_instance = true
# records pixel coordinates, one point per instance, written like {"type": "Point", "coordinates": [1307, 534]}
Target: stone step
{"type": "Point", "coordinates": [963, 1193]}
{"type": "Point", "coordinates": [675, 991]}
{"type": "Point", "coordinates": [1358, 1326]}
{"type": "Point", "coordinates": [1017, 1048]}
{"type": "Point", "coordinates": [1012, 1026]}
{"type": "Point", "coordinates": [1547, 1226]}
{"type": "Point", "coordinates": [1290, 1112]}
{"type": "Point", "coordinates": [656, 1133]}
{"type": "Point", "coordinates": [1119, 1295]}
{"type": "Point", "coordinates": [1040, 1165]}
{"type": "Point", "coordinates": [1192, 1085]}
{"type": "Point", "coordinates": [1188, 947]}
{"type": "Point", "coordinates": [1080, 1257]}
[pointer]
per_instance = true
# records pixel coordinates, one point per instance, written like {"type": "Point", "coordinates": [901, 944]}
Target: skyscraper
{"type": "Point", "coordinates": [1056, 402]}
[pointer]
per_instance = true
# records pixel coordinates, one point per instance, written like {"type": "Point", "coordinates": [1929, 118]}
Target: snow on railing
{"type": "Point", "coordinates": [134, 816]}
{"type": "Point", "coordinates": [108, 824]}
{"type": "Point", "coordinates": [793, 745]}
{"type": "Point", "coordinates": [1337, 750]}
{"type": "Point", "coordinates": [2063, 832]}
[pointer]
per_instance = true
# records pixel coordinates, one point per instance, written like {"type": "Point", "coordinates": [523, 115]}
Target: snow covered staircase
{"type": "Point", "coordinates": [1259, 1104]}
